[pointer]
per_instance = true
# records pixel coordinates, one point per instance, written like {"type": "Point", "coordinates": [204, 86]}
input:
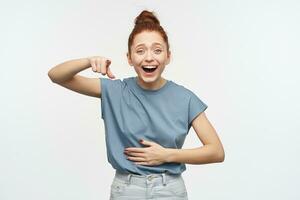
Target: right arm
{"type": "Point", "coordinates": [65, 74]}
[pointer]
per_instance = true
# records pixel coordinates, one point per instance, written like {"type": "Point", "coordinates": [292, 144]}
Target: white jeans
{"type": "Point", "coordinates": [127, 186]}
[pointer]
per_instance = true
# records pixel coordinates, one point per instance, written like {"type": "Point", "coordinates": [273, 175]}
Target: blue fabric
{"type": "Point", "coordinates": [131, 113]}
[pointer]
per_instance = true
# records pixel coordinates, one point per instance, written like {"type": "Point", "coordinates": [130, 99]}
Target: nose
{"type": "Point", "coordinates": [149, 56]}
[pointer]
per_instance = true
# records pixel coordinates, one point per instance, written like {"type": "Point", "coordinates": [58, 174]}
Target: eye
{"type": "Point", "coordinates": [140, 51]}
{"type": "Point", "coordinates": [158, 50]}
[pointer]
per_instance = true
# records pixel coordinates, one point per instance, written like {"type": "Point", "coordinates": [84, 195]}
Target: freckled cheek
{"type": "Point", "coordinates": [161, 60]}
{"type": "Point", "coordinates": [138, 61]}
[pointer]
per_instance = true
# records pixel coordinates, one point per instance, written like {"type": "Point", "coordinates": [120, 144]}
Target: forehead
{"type": "Point", "coordinates": [148, 38]}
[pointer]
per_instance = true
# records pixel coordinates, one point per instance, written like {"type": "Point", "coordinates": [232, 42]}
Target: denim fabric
{"type": "Point", "coordinates": [128, 186]}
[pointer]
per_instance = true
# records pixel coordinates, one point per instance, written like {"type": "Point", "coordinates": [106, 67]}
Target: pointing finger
{"type": "Point", "coordinates": [109, 73]}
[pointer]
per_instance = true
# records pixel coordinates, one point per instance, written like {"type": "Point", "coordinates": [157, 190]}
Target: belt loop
{"type": "Point", "coordinates": [128, 179]}
{"type": "Point", "coordinates": [164, 179]}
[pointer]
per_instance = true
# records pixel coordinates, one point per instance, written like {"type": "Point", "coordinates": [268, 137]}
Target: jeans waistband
{"type": "Point", "coordinates": [143, 180]}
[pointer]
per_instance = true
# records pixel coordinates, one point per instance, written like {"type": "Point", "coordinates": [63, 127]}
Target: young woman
{"type": "Point", "coordinates": [146, 117]}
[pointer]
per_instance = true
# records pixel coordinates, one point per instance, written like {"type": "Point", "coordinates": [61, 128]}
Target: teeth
{"type": "Point", "coordinates": [149, 67]}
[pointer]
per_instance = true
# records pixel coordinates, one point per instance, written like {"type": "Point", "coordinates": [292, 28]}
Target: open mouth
{"type": "Point", "coordinates": [149, 69]}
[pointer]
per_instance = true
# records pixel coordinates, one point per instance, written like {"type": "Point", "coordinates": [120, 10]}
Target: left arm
{"type": "Point", "coordinates": [212, 151]}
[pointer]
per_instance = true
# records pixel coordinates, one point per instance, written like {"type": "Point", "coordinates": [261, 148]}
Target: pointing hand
{"type": "Point", "coordinates": [101, 65]}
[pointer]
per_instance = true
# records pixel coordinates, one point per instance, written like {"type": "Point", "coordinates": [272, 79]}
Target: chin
{"type": "Point", "coordinates": [149, 79]}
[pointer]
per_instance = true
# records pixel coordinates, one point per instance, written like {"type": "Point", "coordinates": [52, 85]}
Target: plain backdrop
{"type": "Point", "coordinates": [240, 57]}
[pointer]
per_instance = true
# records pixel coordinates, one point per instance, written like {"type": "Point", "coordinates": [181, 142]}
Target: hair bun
{"type": "Point", "coordinates": [146, 17]}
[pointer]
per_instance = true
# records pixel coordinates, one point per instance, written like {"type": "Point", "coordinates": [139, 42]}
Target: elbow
{"type": "Point", "coordinates": [220, 156]}
{"type": "Point", "coordinates": [52, 76]}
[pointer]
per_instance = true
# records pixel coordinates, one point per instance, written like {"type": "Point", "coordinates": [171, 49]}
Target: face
{"type": "Point", "coordinates": [149, 50]}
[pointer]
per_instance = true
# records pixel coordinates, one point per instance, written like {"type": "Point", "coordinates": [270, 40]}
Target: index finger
{"type": "Point", "coordinates": [109, 73]}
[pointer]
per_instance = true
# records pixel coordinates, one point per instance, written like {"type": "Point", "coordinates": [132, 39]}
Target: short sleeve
{"type": "Point", "coordinates": [196, 106]}
{"type": "Point", "coordinates": [110, 94]}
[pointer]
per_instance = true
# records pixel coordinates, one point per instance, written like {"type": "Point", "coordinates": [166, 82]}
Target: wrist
{"type": "Point", "coordinates": [85, 62]}
{"type": "Point", "coordinates": [170, 154]}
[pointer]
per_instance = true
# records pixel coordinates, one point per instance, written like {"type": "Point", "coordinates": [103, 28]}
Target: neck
{"type": "Point", "coordinates": [152, 85]}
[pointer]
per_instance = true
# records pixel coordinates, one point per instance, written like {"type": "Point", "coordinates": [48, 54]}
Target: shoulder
{"type": "Point", "coordinates": [114, 82]}
{"type": "Point", "coordinates": [105, 80]}
{"type": "Point", "coordinates": [181, 89]}
{"type": "Point", "coordinates": [188, 95]}
{"type": "Point", "coordinates": [114, 85]}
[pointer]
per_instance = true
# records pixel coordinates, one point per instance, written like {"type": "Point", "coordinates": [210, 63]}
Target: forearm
{"type": "Point", "coordinates": [201, 155]}
{"type": "Point", "coordinates": [66, 70]}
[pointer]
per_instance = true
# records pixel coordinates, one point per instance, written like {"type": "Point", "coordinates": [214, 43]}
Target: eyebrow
{"type": "Point", "coordinates": [155, 43]}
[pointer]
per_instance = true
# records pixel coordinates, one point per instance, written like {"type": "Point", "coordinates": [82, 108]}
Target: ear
{"type": "Point", "coordinates": [129, 59]}
{"type": "Point", "coordinates": [168, 58]}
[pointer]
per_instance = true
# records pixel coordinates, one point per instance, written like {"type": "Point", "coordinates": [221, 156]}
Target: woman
{"type": "Point", "coordinates": [146, 117]}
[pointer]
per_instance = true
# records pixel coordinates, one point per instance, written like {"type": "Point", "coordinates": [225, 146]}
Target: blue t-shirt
{"type": "Point", "coordinates": [131, 113]}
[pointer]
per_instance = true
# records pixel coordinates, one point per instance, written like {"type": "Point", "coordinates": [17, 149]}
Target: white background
{"type": "Point", "coordinates": [240, 57]}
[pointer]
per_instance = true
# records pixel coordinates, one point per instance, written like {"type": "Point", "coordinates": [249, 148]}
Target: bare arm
{"type": "Point", "coordinates": [212, 151]}
{"type": "Point", "coordinates": [65, 74]}
{"type": "Point", "coordinates": [66, 70]}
